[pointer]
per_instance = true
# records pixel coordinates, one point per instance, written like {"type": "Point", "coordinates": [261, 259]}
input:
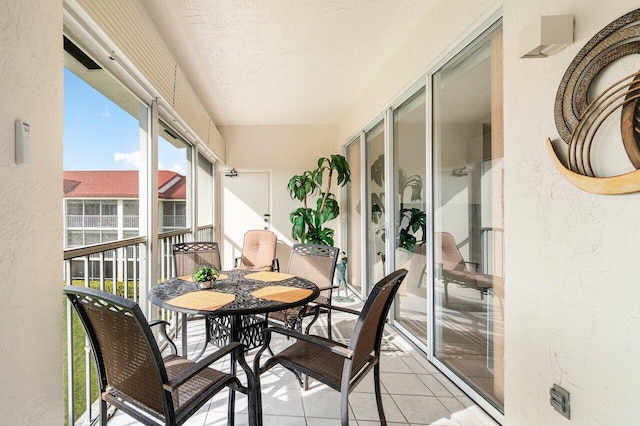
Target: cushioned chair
{"type": "Point", "coordinates": [316, 263]}
{"type": "Point", "coordinates": [133, 376]}
{"type": "Point", "coordinates": [339, 366]}
{"type": "Point", "coordinates": [452, 268]}
{"type": "Point", "coordinates": [258, 251]}
{"type": "Point", "coordinates": [187, 257]}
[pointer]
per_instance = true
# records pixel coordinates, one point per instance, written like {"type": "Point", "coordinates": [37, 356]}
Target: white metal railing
{"type": "Point", "coordinates": [115, 267]}
{"type": "Point", "coordinates": [205, 233]}
{"type": "Point", "coordinates": [92, 221]}
{"type": "Point", "coordinates": [131, 221]}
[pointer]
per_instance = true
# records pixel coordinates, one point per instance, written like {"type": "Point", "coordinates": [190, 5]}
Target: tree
{"type": "Point", "coordinates": [308, 223]}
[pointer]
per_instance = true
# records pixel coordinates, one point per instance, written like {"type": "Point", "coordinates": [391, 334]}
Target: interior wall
{"type": "Point", "coordinates": [572, 315]}
{"type": "Point", "coordinates": [571, 295]}
{"type": "Point", "coordinates": [445, 25]}
{"type": "Point", "coordinates": [31, 386]}
{"type": "Point", "coordinates": [285, 151]}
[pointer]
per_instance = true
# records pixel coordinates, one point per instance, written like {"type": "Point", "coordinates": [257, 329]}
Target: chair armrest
{"type": "Point", "coordinates": [330, 287]}
{"type": "Point", "coordinates": [476, 264]}
{"type": "Point", "coordinates": [165, 336]}
{"type": "Point", "coordinates": [201, 365]}
{"type": "Point", "coordinates": [336, 308]}
{"type": "Point", "coordinates": [335, 347]}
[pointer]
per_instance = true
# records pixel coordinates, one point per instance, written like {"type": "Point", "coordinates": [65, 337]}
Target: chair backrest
{"type": "Point", "coordinates": [187, 257]}
{"type": "Point", "coordinates": [126, 353]}
{"type": "Point", "coordinates": [367, 334]}
{"type": "Point", "coordinates": [316, 263]}
{"type": "Point", "coordinates": [258, 249]}
{"type": "Point", "coordinates": [449, 255]}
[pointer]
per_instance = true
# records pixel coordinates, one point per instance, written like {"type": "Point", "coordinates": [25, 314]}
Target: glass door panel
{"type": "Point", "coordinates": [468, 216]}
{"type": "Point", "coordinates": [204, 213]}
{"type": "Point", "coordinates": [374, 141]}
{"type": "Point", "coordinates": [354, 218]}
{"type": "Point", "coordinates": [174, 181]}
{"type": "Point", "coordinates": [409, 134]}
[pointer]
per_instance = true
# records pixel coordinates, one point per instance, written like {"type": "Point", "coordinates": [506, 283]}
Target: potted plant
{"type": "Point", "coordinates": [205, 275]}
{"type": "Point", "coordinates": [411, 221]}
{"type": "Point", "coordinates": [308, 223]}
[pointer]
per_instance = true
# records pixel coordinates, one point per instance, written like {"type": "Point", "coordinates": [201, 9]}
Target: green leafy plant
{"type": "Point", "coordinates": [205, 273]}
{"type": "Point", "coordinates": [308, 223]}
{"type": "Point", "coordinates": [410, 220]}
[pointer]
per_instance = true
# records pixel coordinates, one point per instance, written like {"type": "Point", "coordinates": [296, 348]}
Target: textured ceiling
{"type": "Point", "coordinates": [269, 62]}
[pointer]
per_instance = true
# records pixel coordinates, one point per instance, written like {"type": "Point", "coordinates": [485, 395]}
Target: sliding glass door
{"type": "Point", "coordinates": [354, 217]}
{"type": "Point", "coordinates": [376, 256]}
{"type": "Point", "coordinates": [468, 170]}
{"type": "Point", "coordinates": [409, 143]}
{"type": "Point", "coordinates": [427, 196]}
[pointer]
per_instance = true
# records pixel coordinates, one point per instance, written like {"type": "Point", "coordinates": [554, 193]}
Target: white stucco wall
{"type": "Point", "coordinates": [285, 151]}
{"type": "Point", "coordinates": [572, 311]}
{"type": "Point", "coordinates": [31, 331]}
{"type": "Point", "coordinates": [444, 26]}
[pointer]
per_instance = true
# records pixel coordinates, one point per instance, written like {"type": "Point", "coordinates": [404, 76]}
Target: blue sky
{"type": "Point", "coordinates": [99, 135]}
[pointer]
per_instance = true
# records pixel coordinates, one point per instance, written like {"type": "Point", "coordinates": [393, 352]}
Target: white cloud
{"type": "Point", "coordinates": [175, 168]}
{"type": "Point", "coordinates": [178, 169]}
{"type": "Point", "coordinates": [106, 113]}
{"type": "Point", "coordinates": [128, 157]}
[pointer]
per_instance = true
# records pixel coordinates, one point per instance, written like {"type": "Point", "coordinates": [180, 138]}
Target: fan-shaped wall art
{"type": "Point", "coordinates": [578, 121]}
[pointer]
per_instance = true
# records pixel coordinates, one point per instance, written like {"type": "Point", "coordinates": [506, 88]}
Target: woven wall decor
{"type": "Point", "coordinates": [578, 121]}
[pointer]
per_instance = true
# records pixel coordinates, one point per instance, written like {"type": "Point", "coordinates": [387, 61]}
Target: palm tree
{"type": "Point", "coordinates": [307, 223]}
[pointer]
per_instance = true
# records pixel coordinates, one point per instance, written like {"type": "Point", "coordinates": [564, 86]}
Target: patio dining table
{"type": "Point", "coordinates": [236, 294]}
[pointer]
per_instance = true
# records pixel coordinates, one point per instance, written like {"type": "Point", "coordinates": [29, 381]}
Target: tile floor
{"type": "Point", "coordinates": [414, 393]}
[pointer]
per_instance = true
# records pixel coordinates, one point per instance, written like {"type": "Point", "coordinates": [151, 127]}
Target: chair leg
{"type": "Point", "coordinates": [103, 412]}
{"type": "Point", "coordinates": [231, 408]}
{"type": "Point", "coordinates": [376, 384]}
{"type": "Point", "coordinates": [306, 382]}
{"type": "Point", "coordinates": [329, 324]}
{"type": "Point", "coordinates": [344, 407]}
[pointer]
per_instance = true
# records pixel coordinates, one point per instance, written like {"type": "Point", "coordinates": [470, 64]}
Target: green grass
{"type": "Point", "coordinates": [79, 380]}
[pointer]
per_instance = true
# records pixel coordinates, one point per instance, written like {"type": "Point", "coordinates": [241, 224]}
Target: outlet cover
{"type": "Point", "coordinates": [559, 399]}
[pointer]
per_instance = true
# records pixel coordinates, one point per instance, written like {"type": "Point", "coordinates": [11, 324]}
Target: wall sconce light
{"type": "Point", "coordinates": [546, 36]}
{"type": "Point", "coordinates": [462, 171]}
{"type": "Point", "coordinates": [231, 173]}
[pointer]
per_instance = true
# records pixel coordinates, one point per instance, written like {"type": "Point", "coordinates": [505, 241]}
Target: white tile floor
{"type": "Point", "coordinates": [414, 393]}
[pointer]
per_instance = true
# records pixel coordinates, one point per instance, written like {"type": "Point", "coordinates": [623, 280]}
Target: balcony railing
{"type": "Point", "coordinates": [130, 221]}
{"type": "Point", "coordinates": [92, 221]}
{"type": "Point", "coordinates": [117, 267]}
{"type": "Point", "coordinates": [205, 233]}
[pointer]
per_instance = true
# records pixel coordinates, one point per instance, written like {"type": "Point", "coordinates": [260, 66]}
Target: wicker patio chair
{"type": "Point", "coordinates": [339, 366]}
{"type": "Point", "coordinates": [187, 257]}
{"type": "Point", "coordinates": [317, 263]}
{"type": "Point", "coordinates": [258, 251]}
{"type": "Point", "coordinates": [132, 374]}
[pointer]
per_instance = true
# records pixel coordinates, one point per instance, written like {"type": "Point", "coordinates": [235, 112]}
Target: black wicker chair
{"type": "Point", "coordinates": [339, 366]}
{"type": "Point", "coordinates": [316, 263]}
{"type": "Point", "coordinates": [132, 374]}
{"type": "Point", "coordinates": [187, 257]}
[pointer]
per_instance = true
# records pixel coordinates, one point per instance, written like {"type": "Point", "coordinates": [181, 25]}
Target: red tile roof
{"type": "Point", "coordinates": [120, 184]}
